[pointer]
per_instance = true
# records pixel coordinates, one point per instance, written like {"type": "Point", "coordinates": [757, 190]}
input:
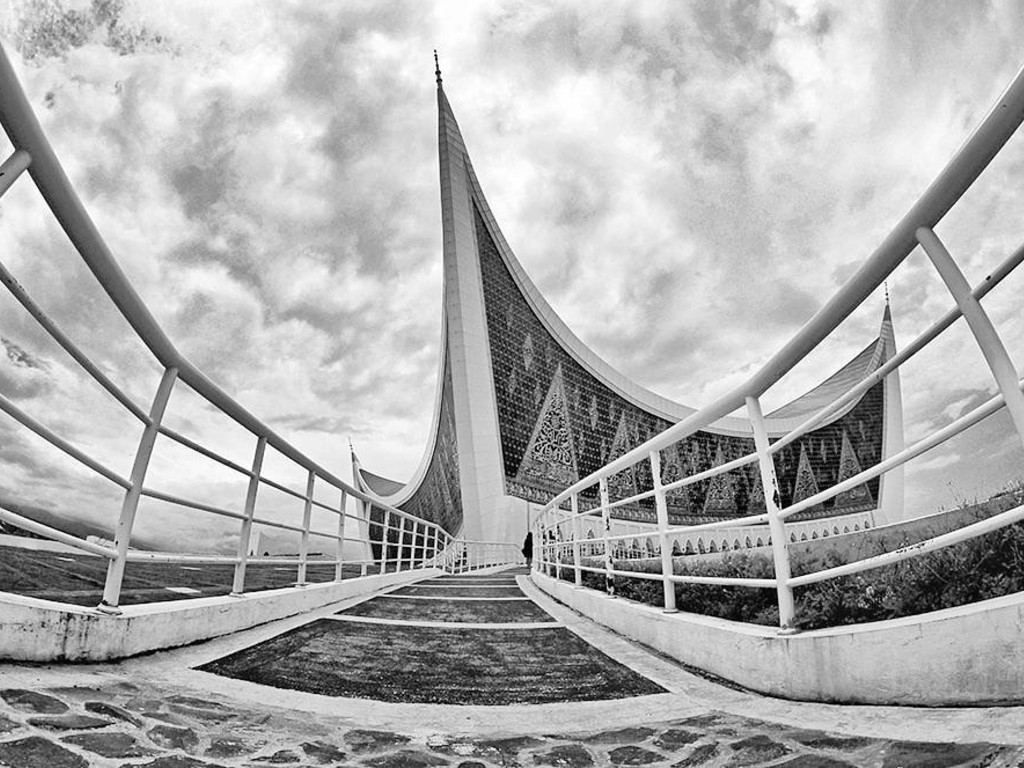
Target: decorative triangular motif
{"type": "Point", "coordinates": [755, 493]}
{"type": "Point", "coordinates": [550, 456]}
{"type": "Point", "coordinates": [672, 470]}
{"type": "Point", "coordinates": [849, 466]}
{"type": "Point", "coordinates": [622, 484]}
{"type": "Point", "coordinates": [721, 496]}
{"type": "Point", "coordinates": [512, 382]}
{"type": "Point", "coordinates": [806, 484]}
{"type": "Point", "coordinates": [528, 353]}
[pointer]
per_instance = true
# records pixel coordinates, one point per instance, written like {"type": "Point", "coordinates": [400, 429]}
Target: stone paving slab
{"type": "Point", "coordinates": [156, 711]}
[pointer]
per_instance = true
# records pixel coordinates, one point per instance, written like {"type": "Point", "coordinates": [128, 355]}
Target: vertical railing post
{"type": "Point", "coordinates": [985, 334]}
{"type": "Point", "coordinates": [307, 517]}
{"type": "Point", "coordinates": [421, 539]}
{"type": "Point", "coordinates": [574, 505]}
{"type": "Point", "coordinates": [558, 543]}
{"type": "Point", "coordinates": [130, 505]}
{"type": "Point", "coordinates": [542, 543]}
{"type": "Point", "coordinates": [401, 544]}
{"type": "Point", "coordinates": [238, 584]}
{"type": "Point", "coordinates": [384, 530]}
{"type": "Point", "coordinates": [661, 508]}
{"type": "Point", "coordinates": [415, 542]}
{"type": "Point", "coordinates": [413, 528]}
{"type": "Point", "coordinates": [606, 516]}
{"type": "Point", "coordinates": [341, 535]}
{"type": "Point", "coordinates": [776, 526]}
{"type": "Point", "coordinates": [366, 526]}
{"type": "Point", "coordinates": [538, 541]}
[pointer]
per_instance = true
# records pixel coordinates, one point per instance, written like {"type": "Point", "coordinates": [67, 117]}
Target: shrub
{"type": "Point", "coordinates": [985, 567]}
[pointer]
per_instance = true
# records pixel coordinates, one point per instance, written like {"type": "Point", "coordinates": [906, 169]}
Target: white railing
{"type": "Point", "coordinates": [466, 556]}
{"type": "Point", "coordinates": [403, 541]}
{"type": "Point", "coordinates": [558, 543]}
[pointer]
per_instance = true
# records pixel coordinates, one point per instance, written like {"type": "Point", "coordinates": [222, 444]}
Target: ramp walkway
{"type": "Point", "coordinates": [468, 671]}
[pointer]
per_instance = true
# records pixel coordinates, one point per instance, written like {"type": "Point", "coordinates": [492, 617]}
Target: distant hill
{"type": "Point", "coordinates": [80, 528]}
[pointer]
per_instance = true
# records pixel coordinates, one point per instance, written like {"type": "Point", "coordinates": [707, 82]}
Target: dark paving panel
{"type": "Point", "coordinates": [467, 591]}
{"type": "Point", "coordinates": [433, 665]}
{"type": "Point", "coordinates": [450, 581]}
{"type": "Point", "coordinates": [465, 611]}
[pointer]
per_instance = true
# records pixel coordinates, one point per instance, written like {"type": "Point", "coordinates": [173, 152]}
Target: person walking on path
{"type": "Point", "coordinates": [528, 549]}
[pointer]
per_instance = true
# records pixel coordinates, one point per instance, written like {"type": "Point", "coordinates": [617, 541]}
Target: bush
{"type": "Point", "coordinates": [985, 567]}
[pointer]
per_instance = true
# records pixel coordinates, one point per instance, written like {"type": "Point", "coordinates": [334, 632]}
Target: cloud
{"type": "Point", "coordinates": [687, 183]}
{"type": "Point", "coordinates": [936, 463]}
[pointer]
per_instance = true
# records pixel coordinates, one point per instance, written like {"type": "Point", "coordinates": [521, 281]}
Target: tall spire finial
{"type": "Point", "coordinates": [885, 283]}
{"type": "Point", "coordinates": [437, 69]}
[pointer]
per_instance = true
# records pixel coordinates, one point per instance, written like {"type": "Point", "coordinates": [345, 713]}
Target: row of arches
{"type": "Point", "coordinates": [825, 532]}
{"type": "Point", "coordinates": [639, 548]}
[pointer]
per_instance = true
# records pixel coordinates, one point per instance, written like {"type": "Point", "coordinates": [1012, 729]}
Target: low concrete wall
{"type": "Point", "coordinates": [41, 630]}
{"type": "Point", "coordinates": [970, 655]}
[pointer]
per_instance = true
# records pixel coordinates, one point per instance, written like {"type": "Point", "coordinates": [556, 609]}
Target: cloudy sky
{"type": "Point", "coordinates": [686, 182]}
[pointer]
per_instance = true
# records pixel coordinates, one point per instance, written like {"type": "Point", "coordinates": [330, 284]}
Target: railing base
{"type": "Point", "coordinates": [108, 610]}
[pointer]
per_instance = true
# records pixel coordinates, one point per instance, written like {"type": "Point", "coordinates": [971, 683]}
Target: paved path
{"type": "Point", "coordinates": [163, 711]}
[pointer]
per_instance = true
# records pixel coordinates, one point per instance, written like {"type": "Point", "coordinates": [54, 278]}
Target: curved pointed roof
{"type": "Point", "coordinates": [460, 286]}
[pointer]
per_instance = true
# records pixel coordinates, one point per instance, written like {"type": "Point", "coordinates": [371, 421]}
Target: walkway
{"type": "Point", "coordinates": [464, 671]}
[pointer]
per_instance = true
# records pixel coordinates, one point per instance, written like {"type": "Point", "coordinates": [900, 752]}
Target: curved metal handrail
{"type": "Point", "coordinates": [915, 228]}
{"type": "Point", "coordinates": [33, 152]}
{"type": "Point", "coordinates": [955, 178]}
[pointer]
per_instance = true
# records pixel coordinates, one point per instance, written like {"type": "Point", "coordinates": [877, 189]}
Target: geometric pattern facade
{"type": "Point", "coordinates": [550, 458]}
{"type": "Point", "coordinates": [595, 425]}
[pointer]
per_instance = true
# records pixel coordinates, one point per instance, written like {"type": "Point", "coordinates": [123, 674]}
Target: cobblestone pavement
{"type": "Point", "coordinates": [123, 724]}
{"type": "Point", "coordinates": [162, 711]}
